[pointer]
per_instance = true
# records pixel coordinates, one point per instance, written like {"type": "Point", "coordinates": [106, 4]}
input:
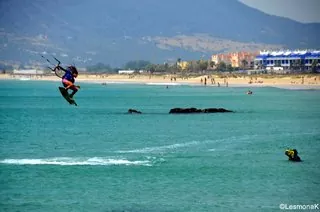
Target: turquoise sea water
{"type": "Point", "coordinates": [96, 157]}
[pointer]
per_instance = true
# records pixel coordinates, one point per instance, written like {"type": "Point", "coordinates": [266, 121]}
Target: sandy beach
{"type": "Point", "coordinates": [283, 81]}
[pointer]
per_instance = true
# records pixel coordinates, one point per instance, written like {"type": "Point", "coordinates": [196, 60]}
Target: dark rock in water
{"type": "Point", "coordinates": [196, 110]}
{"type": "Point", "coordinates": [216, 110]}
{"type": "Point", "coordinates": [185, 110]}
{"type": "Point", "coordinates": [292, 155]}
{"type": "Point", "coordinates": [134, 111]}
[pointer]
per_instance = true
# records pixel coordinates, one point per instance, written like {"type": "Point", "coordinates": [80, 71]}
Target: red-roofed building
{"type": "Point", "coordinates": [236, 59]}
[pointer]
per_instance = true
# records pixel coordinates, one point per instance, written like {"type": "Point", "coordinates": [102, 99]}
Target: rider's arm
{"type": "Point", "coordinates": [60, 68]}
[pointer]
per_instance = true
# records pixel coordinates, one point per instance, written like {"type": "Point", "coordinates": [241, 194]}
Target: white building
{"type": "Point", "coordinates": [28, 72]}
{"type": "Point", "coordinates": [129, 71]}
{"type": "Point", "coordinates": [288, 60]}
{"type": "Point", "coordinates": [126, 71]}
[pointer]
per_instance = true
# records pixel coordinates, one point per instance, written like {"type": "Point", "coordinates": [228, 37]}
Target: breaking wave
{"type": "Point", "coordinates": [174, 147]}
{"type": "Point", "coordinates": [162, 83]}
{"type": "Point", "coordinates": [69, 161]}
{"type": "Point", "coordinates": [159, 148]}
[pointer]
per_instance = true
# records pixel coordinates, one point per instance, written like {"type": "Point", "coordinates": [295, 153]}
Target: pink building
{"type": "Point", "coordinates": [236, 59]}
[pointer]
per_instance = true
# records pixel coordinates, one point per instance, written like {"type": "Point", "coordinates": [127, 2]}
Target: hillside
{"type": "Point", "coordinates": [113, 32]}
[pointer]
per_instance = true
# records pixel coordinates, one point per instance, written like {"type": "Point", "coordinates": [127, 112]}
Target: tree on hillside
{"type": "Point", "coordinates": [244, 64]}
{"type": "Point", "coordinates": [5, 67]}
{"type": "Point", "coordinates": [187, 66]}
{"type": "Point", "coordinates": [177, 66]}
{"type": "Point", "coordinates": [212, 64]}
{"type": "Point", "coordinates": [136, 64]}
{"type": "Point", "coordinates": [151, 68]}
{"type": "Point", "coordinates": [222, 66]}
{"type": "Point", "coordinates": [166, 67]}
{"type": "Point", "coordinates": [203, 65]}
{"type": "Point", "coordinates": [229, 68]}
{"type": "Point", "coordinates": [159, 68]}
{"type": "Point", "coordinates": [100, 67]}
{"type": "Point", "coordinates": [194, 66]}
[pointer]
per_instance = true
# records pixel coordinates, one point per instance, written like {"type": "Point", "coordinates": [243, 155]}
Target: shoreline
{"type": "Point", "coordinates": [285, 82]}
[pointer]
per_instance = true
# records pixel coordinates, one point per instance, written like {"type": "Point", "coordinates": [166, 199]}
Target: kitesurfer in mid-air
{"type": "Point", "coordinates": [68, 79]}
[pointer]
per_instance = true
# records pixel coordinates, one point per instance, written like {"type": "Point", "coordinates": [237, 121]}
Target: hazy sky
{"type": "Point", "coordinates": [305, 11]}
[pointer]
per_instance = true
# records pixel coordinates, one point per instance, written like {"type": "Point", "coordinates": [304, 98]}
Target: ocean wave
{"type": "Point", "coordinates": [116, 82]}
{"type": "Point", "coordinates": [161, 83]}
{"type": "Point", "coordinates": [174, 147]}
{"type": "Point", "coordinates": [159, 149]}
{"type": "Point", "coordinates": [297, 87]}
{"type": "Point", "coordinates": [69, 161]}
{"type": "Point", "coordinates": [24, 78]}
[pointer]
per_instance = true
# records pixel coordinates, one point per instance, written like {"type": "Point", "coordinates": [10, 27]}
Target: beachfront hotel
{"type": "Point", "coordinates": [288, 61]}
{"type": "Point", "coordinates": [236, 59]}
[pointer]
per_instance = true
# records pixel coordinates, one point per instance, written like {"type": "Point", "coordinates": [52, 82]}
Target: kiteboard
{"type": "Point", "coordinates": [65, 95]}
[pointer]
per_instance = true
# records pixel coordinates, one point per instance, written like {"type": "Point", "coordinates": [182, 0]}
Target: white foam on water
{"type": "Point", "coordinates": [68, 161]}
{"type": "Point", "coordinates": [297, 87]}
{"type": "Point", "coordinates": [116, 82]}
{"type": "Point", "coordinates": [162, 83]}
{"type": "Point", "coordinates": [171, 147]}
{"type": "Point", "coordinates": [159, 149]}
{"type": "Point", "coordinates": [24, 78]}
{"type": "Point", "coordinates": [99, 81]}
